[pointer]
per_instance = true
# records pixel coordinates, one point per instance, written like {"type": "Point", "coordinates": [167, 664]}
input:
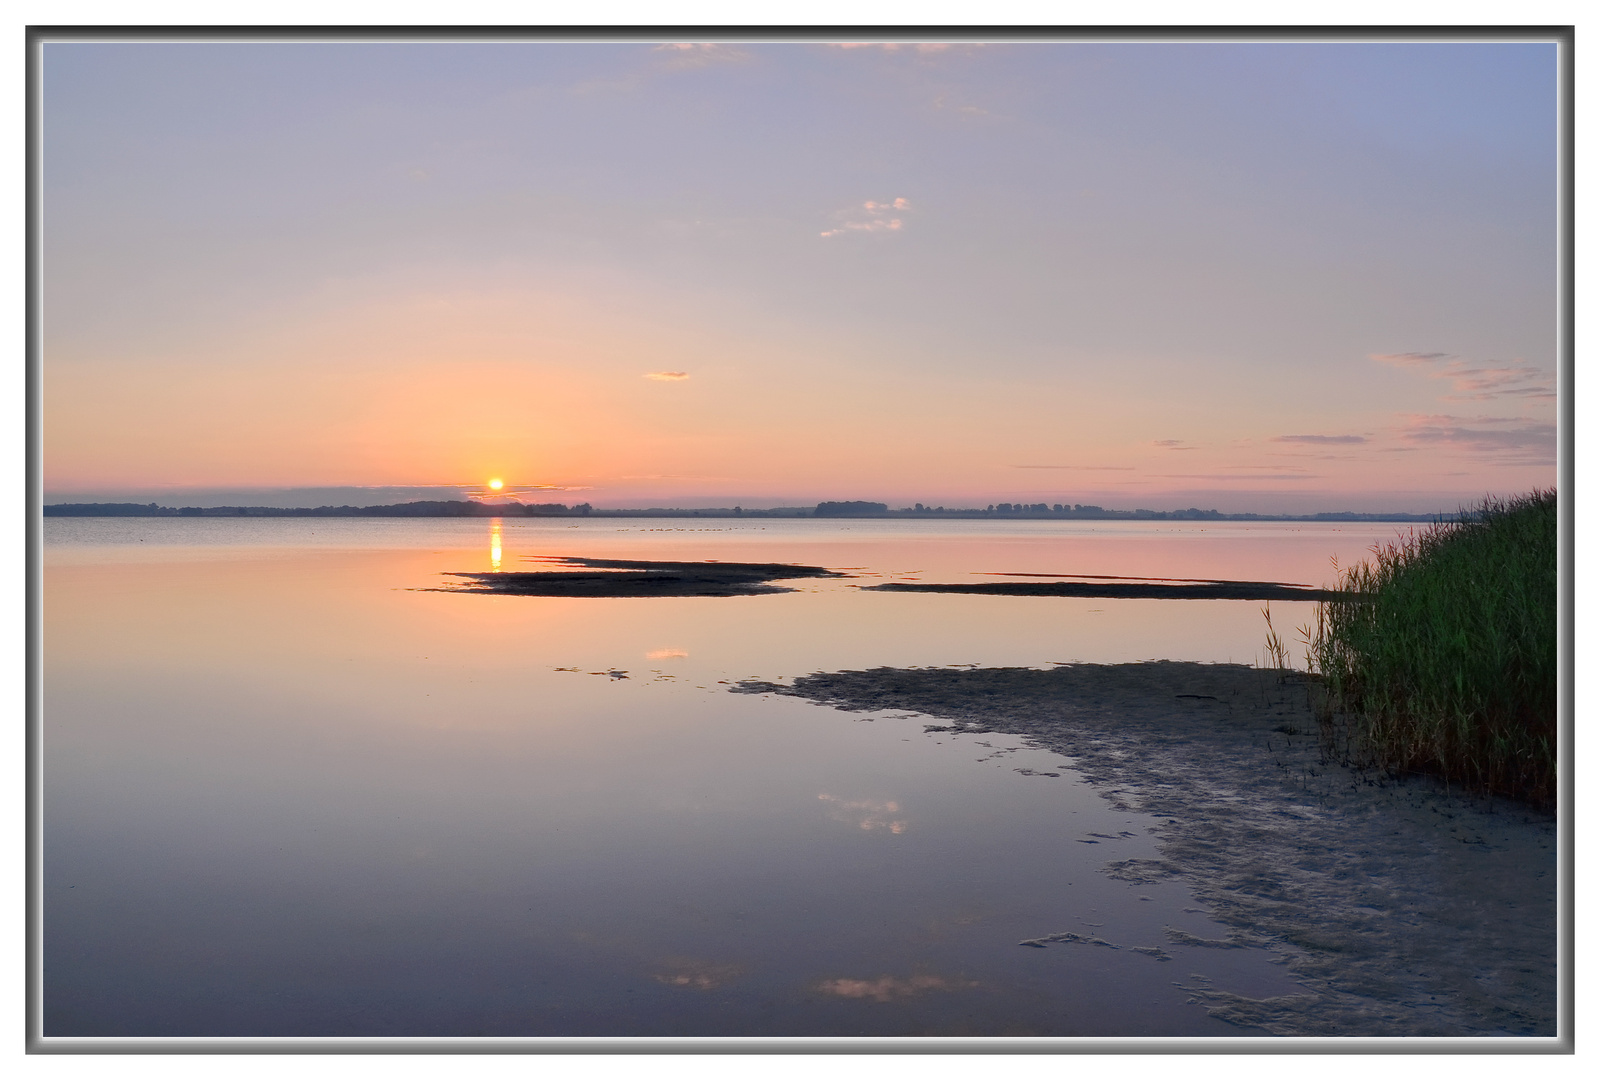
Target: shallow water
{"type": "Point", "coordinates": [290, 790]}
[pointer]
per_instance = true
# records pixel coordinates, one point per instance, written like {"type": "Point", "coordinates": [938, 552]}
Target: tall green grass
{"type": "Point", "coordinates": [1443, 658]}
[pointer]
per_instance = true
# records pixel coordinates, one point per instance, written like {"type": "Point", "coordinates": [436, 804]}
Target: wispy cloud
{"type": "Point", "coordinates": [872, 217]}
{"type": "Point", "coordinates": [1274, 476]}
{"type": "Point", "coordinates": [1087, 468]}
{"type": "Point", "coordinates": [1517, 441]}
{"type": "Point", "coordinates": [675, 476]}
{"type": "Point", "coordinates": [682, 55]}
{"type": "Point", "coordinates": [675, 56]}
{"type": "Point", "coordinates": [896, 46]}
{"type": "Point", "coordinates": [667, 376]}
{"type": "Point", "coordinates": [1173, 444]}
{"type": "Point", "coordinates": [1321, 440]}
{"type": "Point", "coordinates": [1470, 382]}
{"type": "Point", "coordinates": [941, 102]}
{"type": "Point", "coordinates": [1408, 359]}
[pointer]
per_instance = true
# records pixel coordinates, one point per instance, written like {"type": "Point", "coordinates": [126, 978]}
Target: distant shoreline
{"type": "Point", "coordinates": [467, 508]}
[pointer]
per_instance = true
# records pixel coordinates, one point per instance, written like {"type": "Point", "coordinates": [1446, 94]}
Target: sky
{"type": "Point", "coordinates": [1260, 277]}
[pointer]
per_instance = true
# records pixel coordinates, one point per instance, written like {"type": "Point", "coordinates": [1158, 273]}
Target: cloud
{"type": "Point", "coordinates": [872, 217]}
{"type": "Point", "coordinates": [1089, 468]}
{"type": "Point", "coordinates": [667, 376]}
{"type": "Point", "coordinates": [1408, 359]}
{"type": "Point", "coordinates": [683, 55]}
{"type": "Point", "coordinates": [1520, 442]}
{"type": "Point", "coordinates": [940, 102]}
{"type": "Point", "coordinates": [1236, 476]}
{"type": "Point", "coordinates": [1173, 444]}
{"type": "Point", "coordinates": [666, 654]}
{"type": "Point", "coordinates": [1518, 379]}
{"type": "Point", "coordinates": [1320, 440]}
{"type": "Point", "coordinates": [896, 46]}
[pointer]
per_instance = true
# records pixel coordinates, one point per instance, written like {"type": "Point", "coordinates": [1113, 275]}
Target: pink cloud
{"type": "Point", "coordinates": [876, 220]}
{"type": "Point", "coordinates": [895, 46]}
{"type": "Point", "coordinates": [1320, 440]}
{"type": "Point", "coordinates": [1408, 359]}
{"type": "Point", "coordinates": [1522, 442]}
{"type": "Point", "coordinates": [1518, 379]}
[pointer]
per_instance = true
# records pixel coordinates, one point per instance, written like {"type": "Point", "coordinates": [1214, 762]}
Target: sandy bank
{"type": "Point", "coordinates": [1403, 909]}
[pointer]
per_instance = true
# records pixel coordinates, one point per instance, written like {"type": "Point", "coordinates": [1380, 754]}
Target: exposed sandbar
{"type": "Point", "coordinates": [631, 578]}
{"type": "Point", "coordinates": [1402, 908]}
{"type": "Point", "coordinates": [1122, 590]}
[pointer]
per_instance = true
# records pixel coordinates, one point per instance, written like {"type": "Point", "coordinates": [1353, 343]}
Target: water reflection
{"type": "Point", "coordinates": [889, 988]}
{"type": "Point", "coordinates": [865, 814]}
{"type": "Point", "coordinates": [698, 974]}
{"type": "Point", "coordinates": [238, 855]}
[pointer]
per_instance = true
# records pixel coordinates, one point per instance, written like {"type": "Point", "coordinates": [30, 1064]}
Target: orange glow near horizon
{"type": "Point", "coordinates": [233, 412]}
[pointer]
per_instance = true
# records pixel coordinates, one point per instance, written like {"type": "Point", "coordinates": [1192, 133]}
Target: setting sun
{"type": "Point", "coordinates": [497, 484]}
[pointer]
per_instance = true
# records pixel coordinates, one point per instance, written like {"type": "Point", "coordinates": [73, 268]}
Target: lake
{"type": "Point", "coordinates": [291, 788]}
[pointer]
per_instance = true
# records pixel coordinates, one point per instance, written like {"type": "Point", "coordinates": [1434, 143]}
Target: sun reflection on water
{"type": "Point", "coordinates": [494, 544]}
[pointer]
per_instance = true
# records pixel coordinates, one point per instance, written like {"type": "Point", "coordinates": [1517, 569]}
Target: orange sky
{"type": "Point", "coordinates": [434, 299]}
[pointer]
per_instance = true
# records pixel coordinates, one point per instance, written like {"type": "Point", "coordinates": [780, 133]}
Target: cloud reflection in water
{"type": "Point", "coordinates": [865, 814]}
{"type": "Point", "coordinates": [888, 988]}
{"type": "Point", "coordinates": [697, 974]}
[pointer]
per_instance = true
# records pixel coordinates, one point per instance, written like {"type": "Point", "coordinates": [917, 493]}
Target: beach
{"type": "Point", "coordinates": [1401, 907]}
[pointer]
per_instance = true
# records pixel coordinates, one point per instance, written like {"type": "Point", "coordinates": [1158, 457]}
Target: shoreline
{"type": "Point", "coordinates": [1403, 908]}
{"type": "Point", "coordinates": [474, 509]}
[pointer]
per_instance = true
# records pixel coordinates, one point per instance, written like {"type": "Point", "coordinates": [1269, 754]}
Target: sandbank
{"type": "Point", "coordinates": [1402, 908]}
{"type": "Point", "coordinates": [634, 578]}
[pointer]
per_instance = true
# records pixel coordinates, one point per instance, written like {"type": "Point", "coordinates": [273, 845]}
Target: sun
{"type": "Point", "coordinates": [497, 484]}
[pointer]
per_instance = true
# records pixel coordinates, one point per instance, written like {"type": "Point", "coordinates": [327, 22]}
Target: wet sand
{"type": "Point", "coordinates": [1402, 908]}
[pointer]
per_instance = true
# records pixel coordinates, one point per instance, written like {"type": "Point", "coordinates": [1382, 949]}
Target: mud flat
{"type": "Point", "coordinates": [1121, 590]}
{"type": "Point", "coordinates": [633, 578]}
{"type": "Point", "coordinates": [1402, 908]}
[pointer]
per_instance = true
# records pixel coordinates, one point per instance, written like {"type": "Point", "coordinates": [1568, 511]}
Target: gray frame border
{"type": "Point", "coordinates": [1563, 1043]}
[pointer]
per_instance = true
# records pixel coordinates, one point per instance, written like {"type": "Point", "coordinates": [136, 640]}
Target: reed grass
{"type": "Point", "coordinates": [1443, 658]}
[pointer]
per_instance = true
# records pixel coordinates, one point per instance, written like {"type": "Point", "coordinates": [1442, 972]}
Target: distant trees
{"type": "Point", "coordinates": [850, 509]}
{"type": "Point", "coordinates": [854, 508]}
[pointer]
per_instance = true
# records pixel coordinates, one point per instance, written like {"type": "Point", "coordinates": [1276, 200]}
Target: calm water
{"type": "Point", "coordinates": [290, 791]}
